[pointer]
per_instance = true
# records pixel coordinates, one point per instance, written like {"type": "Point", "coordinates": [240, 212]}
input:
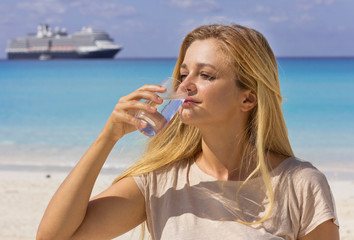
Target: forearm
{"type": "Point", "coordinates": [67, 210]}
{"type": "Point", "coordinates": [68, 206]}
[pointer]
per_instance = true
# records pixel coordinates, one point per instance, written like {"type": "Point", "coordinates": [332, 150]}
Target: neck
{"type": "Point", "coordinates": [222, 150]}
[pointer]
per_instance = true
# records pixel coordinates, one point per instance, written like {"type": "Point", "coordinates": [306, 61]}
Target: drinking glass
{"type": "Point", "coordinates": [173, 98]}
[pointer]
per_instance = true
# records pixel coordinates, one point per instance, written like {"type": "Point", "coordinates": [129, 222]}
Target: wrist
{"type": "Point", "coordinates": [107, 139]}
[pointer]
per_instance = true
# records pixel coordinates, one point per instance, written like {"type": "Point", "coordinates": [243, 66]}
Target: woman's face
{"type": "Point", "coordinates": [210, 81]}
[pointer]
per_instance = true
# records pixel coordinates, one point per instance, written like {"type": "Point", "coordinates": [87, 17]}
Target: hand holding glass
{"type": "Point", "coordinates": [172, 100]}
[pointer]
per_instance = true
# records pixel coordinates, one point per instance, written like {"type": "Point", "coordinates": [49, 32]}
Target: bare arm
{"type": "Point", "coordinates": [69, 213]}
{"type": "Point", "coordinates": [114, 212]}
{"type": "Point", "coordinates": [325, 231]}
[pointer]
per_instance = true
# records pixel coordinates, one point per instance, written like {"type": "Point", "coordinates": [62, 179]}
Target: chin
{"type": "Point", "coordinates": [184, 115]}
{"type": "Point", "coordinates": [188, 117]}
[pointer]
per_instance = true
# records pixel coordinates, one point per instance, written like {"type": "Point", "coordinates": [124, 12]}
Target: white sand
{"type": "Point", "coordinates": [24, 196]}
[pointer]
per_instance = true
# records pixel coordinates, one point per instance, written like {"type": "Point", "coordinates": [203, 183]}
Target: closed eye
{"type": "Point", "coordinates": [182, 77]}
{"type": "Point", "coordinates": [206, 76]}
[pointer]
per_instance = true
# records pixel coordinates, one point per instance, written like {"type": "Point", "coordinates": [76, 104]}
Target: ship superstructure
{"type": "Point", "coordinates": [57, 44]}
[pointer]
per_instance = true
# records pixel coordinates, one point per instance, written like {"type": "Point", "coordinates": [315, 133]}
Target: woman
{"type": "Point", "coordinates": [223, 168]}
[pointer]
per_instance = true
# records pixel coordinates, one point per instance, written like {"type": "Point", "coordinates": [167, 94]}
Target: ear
{"type": "Point", "coordinates": [249, 101]}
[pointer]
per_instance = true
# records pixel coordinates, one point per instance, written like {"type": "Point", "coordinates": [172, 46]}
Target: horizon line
{"type": "Point", "coordinates": [174, 58]}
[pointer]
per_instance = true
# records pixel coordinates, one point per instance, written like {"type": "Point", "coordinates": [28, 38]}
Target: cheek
{"type": "Point", "coordinates": [219, 99]}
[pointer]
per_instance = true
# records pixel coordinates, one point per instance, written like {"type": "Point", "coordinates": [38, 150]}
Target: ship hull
{"type": "Point", "coordinates": [45, 55]}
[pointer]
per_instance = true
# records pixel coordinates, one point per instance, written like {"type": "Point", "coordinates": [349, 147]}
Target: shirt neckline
{"type": "Point", "coordinates": [206, 177]}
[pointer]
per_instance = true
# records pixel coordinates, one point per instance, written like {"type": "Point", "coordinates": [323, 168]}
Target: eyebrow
{"type": "Point", "coordinates": [199, 65]}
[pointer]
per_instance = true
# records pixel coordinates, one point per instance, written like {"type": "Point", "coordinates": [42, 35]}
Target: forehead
{"type": "Point", "coordinates": [206, 52]}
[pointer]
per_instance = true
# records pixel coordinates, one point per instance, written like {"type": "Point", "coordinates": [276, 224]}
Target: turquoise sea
{"type": "Point", "coordinates": [51, 111]}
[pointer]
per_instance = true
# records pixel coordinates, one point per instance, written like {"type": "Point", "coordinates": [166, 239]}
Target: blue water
{"type": "Point", "coordinates": [63, 105]}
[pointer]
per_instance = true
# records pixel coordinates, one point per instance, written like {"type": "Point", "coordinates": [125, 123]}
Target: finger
{"type": "Point", "coordinates": [152, 88]}
{"type": "Point", "coordinates": [136, 105]}
{"type": "Point", "coordinates": [139, 95]}
{"type": "Point", "coordinates": [129, 119]}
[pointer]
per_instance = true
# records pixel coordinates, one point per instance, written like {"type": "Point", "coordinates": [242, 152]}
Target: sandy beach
{"type": "Point", "coordinates": [25, 194]}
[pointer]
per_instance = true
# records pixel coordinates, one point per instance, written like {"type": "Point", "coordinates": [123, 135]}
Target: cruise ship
{"type": "Point", "coordinates": [47, 44]}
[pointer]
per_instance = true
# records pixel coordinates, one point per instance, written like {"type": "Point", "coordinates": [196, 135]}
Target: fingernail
{"type": "Point", "coordinates": [142, 124]}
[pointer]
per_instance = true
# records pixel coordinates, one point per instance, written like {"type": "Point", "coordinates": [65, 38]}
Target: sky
{"type": "Point", "coordinates": [155, 28]}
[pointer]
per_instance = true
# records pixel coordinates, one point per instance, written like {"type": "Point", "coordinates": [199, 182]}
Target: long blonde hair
{"type": "Point", "coordinates": [254, 63]}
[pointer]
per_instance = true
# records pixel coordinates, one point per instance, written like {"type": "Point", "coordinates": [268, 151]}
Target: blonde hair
{"type": "Point", "coordinates": [255, 66]}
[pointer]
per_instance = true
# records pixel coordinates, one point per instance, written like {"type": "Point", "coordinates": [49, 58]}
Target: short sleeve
{"type": "Point", "coordinates": [315, 200]}
{"type": "Point", "coordinates": [142, 183]}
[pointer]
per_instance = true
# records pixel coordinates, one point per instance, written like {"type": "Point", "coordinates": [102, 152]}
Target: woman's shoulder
{"type": "Point", "coordinates": [301, 174]}
{"type": "Point", "coordinates": [167, 175]}
{"type": "Point", "coordinates": [295, 166]}
{"type": "Point", "coordinates": [308, 192]}
{"type": "Point", "coordinates": [158, 182]}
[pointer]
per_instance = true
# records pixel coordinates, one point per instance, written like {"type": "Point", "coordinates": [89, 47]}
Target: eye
{"type": "Point", "coordinates": [207, 76]}
{"type": "Point", "coordinates": [182, 76]}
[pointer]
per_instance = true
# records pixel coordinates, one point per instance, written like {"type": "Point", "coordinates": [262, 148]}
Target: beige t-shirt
{"type": "Point", "coordinates": [183, 202]}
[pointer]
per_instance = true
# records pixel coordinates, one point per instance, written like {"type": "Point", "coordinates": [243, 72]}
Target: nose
{"type": "Point", "coordinates": [189, 85]}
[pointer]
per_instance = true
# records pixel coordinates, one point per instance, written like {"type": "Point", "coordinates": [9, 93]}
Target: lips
{"type": "Point", "coordinates": [189, 101]}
